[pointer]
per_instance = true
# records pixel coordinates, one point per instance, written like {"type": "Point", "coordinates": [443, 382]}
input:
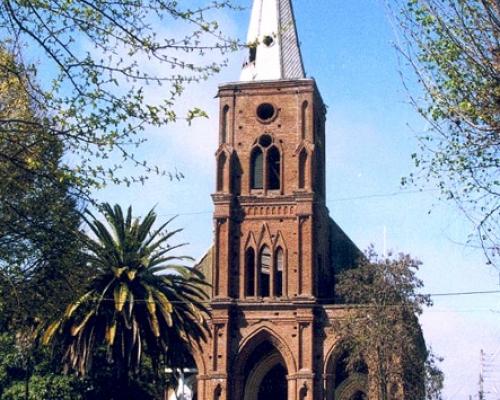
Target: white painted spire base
{"type": "Point", "coordinates": [274, 51]}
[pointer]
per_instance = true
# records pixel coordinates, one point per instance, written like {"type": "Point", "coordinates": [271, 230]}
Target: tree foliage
{"type": "Point", "coordinates": [87, 65]}
{"type": "Point", "coordinates": [383, 328]}
{"type": "Point", "coordinates": [40, 376]}
{"type": "Point", "coordinates": [142, 299]}
{"type": "Point", "coordinates": [27, 372]}
{"type": "Point", "coordinates": [38, 213]}
{"type": "Point", "coordinates": [454, 49]}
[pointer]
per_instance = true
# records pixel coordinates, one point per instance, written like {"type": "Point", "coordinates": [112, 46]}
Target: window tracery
{"type": "Point", "coordinates": [265, 165]}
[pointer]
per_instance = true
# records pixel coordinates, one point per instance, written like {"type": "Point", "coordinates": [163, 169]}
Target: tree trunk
{"type": "Point", "coordinates": [382, 378]}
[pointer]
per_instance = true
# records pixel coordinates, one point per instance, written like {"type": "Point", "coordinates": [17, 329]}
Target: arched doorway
{"type": "Point", "coordinates": [265, 374]}
{"type": "Point", "coordinates": [359, 395]}
{"type": "Point", "coordinates": [344, 382]}
{"type": "Point", "coordinates": [273, 385]}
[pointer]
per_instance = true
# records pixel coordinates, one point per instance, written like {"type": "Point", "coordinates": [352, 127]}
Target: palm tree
{"type": "Point", "coordinates": [141, 300]}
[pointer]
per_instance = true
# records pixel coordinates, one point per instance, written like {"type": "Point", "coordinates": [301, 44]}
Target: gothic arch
{"type": "Point", "coordinates": [273, 168]}
{"type": "Point", "coordinates": [307, 145]}
{"type": "Point", "coordinates": [196, 353]}
{"type": "Point", "coordinates": [224, 124]}
{"type": "Point", "coordinates": [248, 287]}
{"type": "Point", "coordinates": [355, 381]}
{"type": "Point", "coordinates": [224, 148]}
{"type": "Point", "coordinates": [280, 242]}
{"type": "Point", "coordinates": [332, 354]}
{"type": "Point", "coordinates": [223, 157]}
{"type": "Point", "coordinates": [258, 373]}
{"type": "Point", "coordinates": [266, 163]}
{"type": "Point", "coordinates": [264, 270]}
{"type": "Point", "coordinates": [265, 237]}
{"type": "Point", "coordinates": [261, 332]}
{"type": "Point", "coordinates": [249, 273]}
{"type": "Point", "coordinates": [303, 169]}
{"type": "Point", "coordinates": [278, 271]}
{"type": "Point", "coordinates": [303, 119]}
{"type": "Point", "coordinates": [257, 168]}
{"type": "Point", "coordinates": [221, 172]}
{"type": "Point", "coordinates": [250, 242]}
{"type": "Point", "coordinates": [258, 141]}
{"type": "Point", "coordinates": [304, 153]}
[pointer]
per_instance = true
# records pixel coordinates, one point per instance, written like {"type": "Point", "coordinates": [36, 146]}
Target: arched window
{"type": "Point", "coordinates": [250, 272]}
{"type": "Point", "coordinates": [303, 128]}
{"type": "Point", "coordinates": [265, 271]}
{"type": "Point", "coordinates": [278, 273]}
{"type": "Point", "coordinates": [273, 169]}
{"type": "Point", "coordinates": [223, 128]}
{"type": "Point", "coordinates": [221, 167]}
{"type": "Point", "coordinates": [302, 169]}
{"type": "Point", "coordinates": [257, 169]}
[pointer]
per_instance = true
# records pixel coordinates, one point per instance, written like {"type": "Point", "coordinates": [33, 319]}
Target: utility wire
{"type": "Point", "coordinates": [210, 301]}
{"type": "Point", "coordinates": [333, 200]}
{"type": "Point", "coordinates": [464, 293]}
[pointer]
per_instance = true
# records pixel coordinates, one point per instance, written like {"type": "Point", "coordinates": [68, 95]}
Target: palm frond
{"type": "Point", "coordinates": [142, 297]}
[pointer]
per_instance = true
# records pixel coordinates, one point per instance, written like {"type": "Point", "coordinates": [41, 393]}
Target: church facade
{"type": "Point", "coordinates": [276, 251]}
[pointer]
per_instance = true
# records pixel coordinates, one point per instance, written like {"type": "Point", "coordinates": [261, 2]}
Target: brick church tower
{"type": "Point", "coordinates": [276, 251]}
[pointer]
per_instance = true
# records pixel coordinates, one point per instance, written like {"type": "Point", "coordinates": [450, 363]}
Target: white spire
{"type": "Point", "coordinates": [274, 51]}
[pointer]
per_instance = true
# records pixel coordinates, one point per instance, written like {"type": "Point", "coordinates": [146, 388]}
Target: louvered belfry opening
{"type": "Point", "coordinates": [265, 263]}
{"type": "Point", "coordinates": [273, 169]}
{"type": "Point", "coordinates": [257, 169]}
{"type": "Point", "coordinates": [278, 273]}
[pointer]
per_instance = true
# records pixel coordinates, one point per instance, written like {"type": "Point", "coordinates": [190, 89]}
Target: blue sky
{"type": "Point", "coordinates": [347, 48]}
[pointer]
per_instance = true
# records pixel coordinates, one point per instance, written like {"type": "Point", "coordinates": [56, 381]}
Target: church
{"type": "Point", "coordinates": [276, 251]}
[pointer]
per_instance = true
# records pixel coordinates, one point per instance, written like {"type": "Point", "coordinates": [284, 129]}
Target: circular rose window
{"type": "Point", "coordinates": [266, 112]}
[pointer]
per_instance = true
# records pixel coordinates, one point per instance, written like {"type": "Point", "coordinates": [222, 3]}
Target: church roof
{"type": "Point", "coordinates": [274, 51]}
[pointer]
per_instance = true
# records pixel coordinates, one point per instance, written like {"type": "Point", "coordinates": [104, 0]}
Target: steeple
{"type": "Point", "coordinates": [274, 51]}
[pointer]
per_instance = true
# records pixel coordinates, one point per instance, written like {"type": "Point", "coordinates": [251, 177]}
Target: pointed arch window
{"type": "Point", "coordinates": [223, 129]}
{"type": "Point", "coordinates": [273, 169]}
{"type": "Point", "coordinates": [250, 272]}
{"type": "Point", "coordinates": [265, 272]}
{"type": "Point", "coordinates": [257, 169]}
{"type": "Point", "coordinates": [278, 273]}
{"type": "Point", "coordinates": [302, 169]}
{"type": "Point", "coordinates": [303, 128]}
{"type": "Point", "coordinates": [221, 170]}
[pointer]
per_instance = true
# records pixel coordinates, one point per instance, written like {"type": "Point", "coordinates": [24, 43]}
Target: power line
{"type": "Point", "coordinates": [464, 293]}
{"type": "Point", "coordinates": [333, 200]}
{"type": "Point", "coordinates": [105, 299]}
{"type": "Point", "coordinates": [381, 195]}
